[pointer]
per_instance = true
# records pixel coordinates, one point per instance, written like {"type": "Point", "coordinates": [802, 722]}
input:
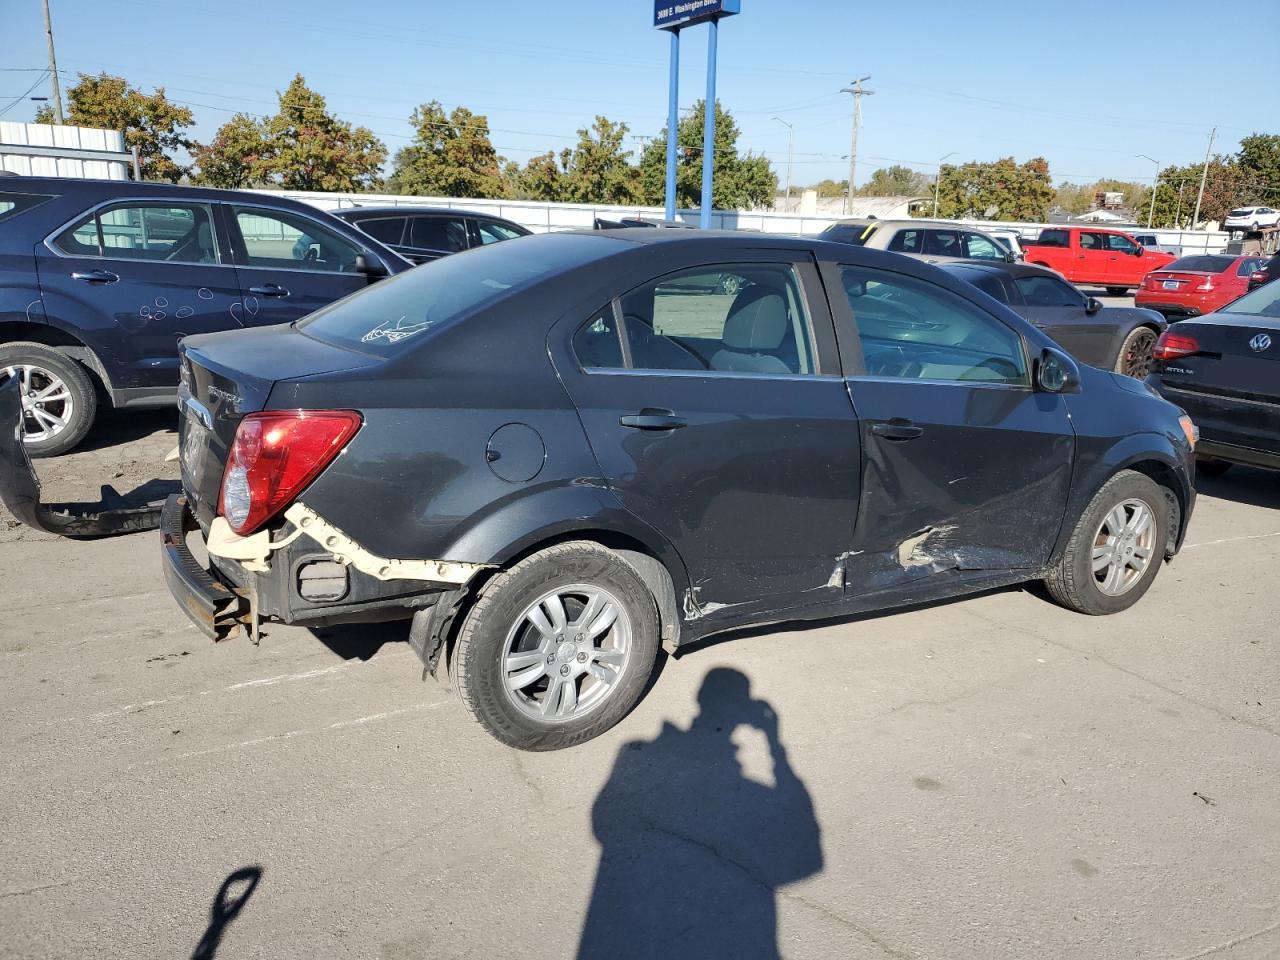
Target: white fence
{"type": "Point", "coordinates": [546, 217]}
{"type": "Point", "coordinates": [49, 150]}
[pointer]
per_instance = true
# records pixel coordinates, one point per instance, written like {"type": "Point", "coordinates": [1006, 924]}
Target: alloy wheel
{"type": "Point", "coordinates": [566, 652]}
{"type": "Point", "coordinates": [1137, 358]}
{"type": "Point", "coordinates": [1124, 547]}
{"type": "Point", "coordinates": [47, 404]}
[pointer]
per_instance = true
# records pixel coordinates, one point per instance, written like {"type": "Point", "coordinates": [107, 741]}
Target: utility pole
{"type": "Point", "coordinates": [53, 66]}
{"type": "Point", "coordinates": [1204, 175]}
{"type": "Point", "coordinates": [858, 93]}
{"type": "Point", "coordinates": [1155, 185]}
{"type": "Point", "coordinates": [937, 183]}
{"type": "Point", "coordinates": [790, 134]}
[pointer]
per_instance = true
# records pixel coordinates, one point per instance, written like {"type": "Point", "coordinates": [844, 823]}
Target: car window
{"type": "Point", "coordinates": [438, 233]}
{"type": "Point", "coordinates": [855, 233]}
{"type": "Point", "coordinates": [383, 229]}
{"type": "Point", "coordinates": [1248, 268]}
{"type": "Point", "coordinates": [12, 204]}
{"type": "Point", "coordinates": [942, 243]}
{"type": "Point", "coordinates": [1093, 241]}
{"type": "Point", "coordinates": [1201, 263]}
{"type": "Point", "coordinates": [494, 232]}
{"type": "Point", "coordinates": [276, 238]}
{"type": "Point", "coordinates": [171, 232]}
{"type": "Point", "coordinates": [914, 330]}
{"type": "Point", "coordinates": [597, 344]}
{"type": "Point", "coordinates": [1120, 243]}
{"type": "Point", "coordinates": [1048, 292]}
{"type": "Point", "coordinates": [1054, 238]}
{"type": "Point", "coordinates": [907, 241]}
{"type": "Point", "coordinates": [988, 283]}
{"type": "Point", "coordinates": [978, 247]}
{"type": "Point", "coordinates": [728, 318]}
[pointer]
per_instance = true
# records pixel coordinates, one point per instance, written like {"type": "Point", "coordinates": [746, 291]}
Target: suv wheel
{"type": "Point", "coordinates": [559, 648]}
{"type": "Point", "coordinates": [58, 399]}
{"type": "Point", "coordinates": [1116, 548]}
{"type": "Point", "coordinates": [1134, 358]}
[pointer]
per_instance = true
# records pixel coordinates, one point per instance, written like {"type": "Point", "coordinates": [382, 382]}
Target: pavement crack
{"type": "Point", "coordinates": [1233, 942]}
{"type": "Point", "coordinates": [42, 886]}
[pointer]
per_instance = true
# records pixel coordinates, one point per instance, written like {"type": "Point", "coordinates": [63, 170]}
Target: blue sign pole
{"type": "Point", "coordinates": [709, 128]}
{"type": "Point", "coordinates": [673, 123]}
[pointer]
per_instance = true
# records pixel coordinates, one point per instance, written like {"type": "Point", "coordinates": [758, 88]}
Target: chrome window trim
{"type": "Point", "coordinates": [213, 226]}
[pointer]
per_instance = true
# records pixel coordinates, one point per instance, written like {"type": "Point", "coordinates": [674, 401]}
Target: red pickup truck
{"type": "Point", "coordinates": [1104, 258]}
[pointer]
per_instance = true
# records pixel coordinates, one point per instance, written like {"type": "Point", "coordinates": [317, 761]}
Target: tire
{"type": "Point", "coordinates": [1117, 291]}
{"type": "Point", "coordinates": [1134, 357]}
{"type": "Point", "coordinates": [73, 403]}
{"type": "Point", "coordinates": [1212, 468]}
{"type": "Point", "coordinates": [1073, 582]}
{"type": "Point", "coordinates": [499, 647]}
{"type": "Point", "coordinates": [1254, 228]}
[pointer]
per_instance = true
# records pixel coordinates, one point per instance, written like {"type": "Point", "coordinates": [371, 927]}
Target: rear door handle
{"type": "Point", "coordinates": [95, 276]}
{"type": "Point", "coordinates": [652, 418]}
{"type": "Point", "coordinates": [897, 430]}
{"type": "Point", "coordinates": [269, 290]}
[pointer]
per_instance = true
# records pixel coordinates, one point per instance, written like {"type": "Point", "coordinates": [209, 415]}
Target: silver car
{"type": "Point", "coordinates": [934, 241]}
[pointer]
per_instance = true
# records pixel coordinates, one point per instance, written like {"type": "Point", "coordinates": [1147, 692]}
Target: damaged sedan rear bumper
{"type": "Point", "coordinates": [217, 610]}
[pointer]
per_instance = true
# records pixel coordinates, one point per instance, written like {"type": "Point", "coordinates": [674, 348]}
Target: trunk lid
{"type": "Point", "coordinates": [228, 375]}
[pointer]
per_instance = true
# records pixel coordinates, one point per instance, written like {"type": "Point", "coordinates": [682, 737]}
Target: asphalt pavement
{"type": "Point", "coordinates": [989, 778]}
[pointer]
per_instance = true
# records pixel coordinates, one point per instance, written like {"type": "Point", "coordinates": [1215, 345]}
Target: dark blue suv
{"type": "Point", "coordinates": [100, 279]}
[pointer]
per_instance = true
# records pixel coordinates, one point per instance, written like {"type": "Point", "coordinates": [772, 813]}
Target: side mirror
{"type": "Point", "coordinates": [1092, 306]}
{"type": "Point", "coordinates": [370, 266]}
{"type": "Point", "coordinates": [1010, 257]}
{"type": "Point", "coordinates": [1140, 251]}
{"type": "Point", "coordinates": [1057, 373]}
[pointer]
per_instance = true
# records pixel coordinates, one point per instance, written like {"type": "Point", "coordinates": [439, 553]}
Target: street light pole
{"type": "Point", "coordinates": [1155, 185]}
{"type": "Point", "coordinates": [937, 183]}
{"type": "Point", "coordinates": [790, 134]}
{"type": "Point", "coordinates": [858, 93]}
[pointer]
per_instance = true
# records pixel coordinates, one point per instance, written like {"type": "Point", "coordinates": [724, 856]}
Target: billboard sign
{"type": "Point", "coordinates": [670, 14]}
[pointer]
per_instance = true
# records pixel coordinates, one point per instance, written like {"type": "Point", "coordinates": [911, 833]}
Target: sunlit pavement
{"type": "Point", "coordinates": [995, 777]}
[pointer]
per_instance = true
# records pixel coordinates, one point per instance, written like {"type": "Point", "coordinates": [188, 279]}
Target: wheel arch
{"type": "Point", "coordinates": [13, 331]}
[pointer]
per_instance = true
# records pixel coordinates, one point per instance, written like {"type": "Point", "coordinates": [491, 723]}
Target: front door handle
{"type": "Point", "coordinates": [897, 429]}
{"type": "Point", "coordinates": [652, 418]}
{"type": "Point", "coordinates": [95, 276]}
{"type": "Point", "coordinates": [269, 290]}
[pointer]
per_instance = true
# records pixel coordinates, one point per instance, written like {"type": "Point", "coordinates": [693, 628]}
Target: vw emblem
{"type": "Point", "coordinates": [1261, 342]}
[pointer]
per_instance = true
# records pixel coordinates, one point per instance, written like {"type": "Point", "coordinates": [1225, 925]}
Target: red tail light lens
{"type": "Point", "coordinates": [1172, 345]}
{"type": "Point", "coordinates": [1206, 285]}
{"type": "Point", "coordinates": [274, 456]}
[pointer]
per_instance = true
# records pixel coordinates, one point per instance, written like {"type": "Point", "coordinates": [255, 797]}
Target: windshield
{"type": "Point", "coordinates": [384, 318]}
{"type": "Point", "coordinates": [1262, 302]}
{"type": "Point", "coordinates": [1202, 264]}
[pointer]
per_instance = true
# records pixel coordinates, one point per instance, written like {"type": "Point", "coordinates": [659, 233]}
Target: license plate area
{"type": "Point", "coordinates": [1172, 284]}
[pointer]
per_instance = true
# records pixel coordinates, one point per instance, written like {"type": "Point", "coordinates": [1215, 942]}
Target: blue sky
{"type": "Point", "coordinates": [1066, 81]}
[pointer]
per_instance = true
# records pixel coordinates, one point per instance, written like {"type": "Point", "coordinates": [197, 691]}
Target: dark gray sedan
{"type": "Point", "coordinates": [1114, 338]}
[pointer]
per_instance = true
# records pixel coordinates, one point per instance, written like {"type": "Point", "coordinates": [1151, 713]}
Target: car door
{"type": "Point", "coordinates": [720, 420]}
{"type": "Point", "coordinates": [966, 467]}
{"type": "Point", "coordinates": [141, 274]}
{"type": "Point", "coordinates": [1126, 263]}
{"type": "Point", "coordinates": [289, 263]}
{"type": "Point", "coordinates": [1093, 261]}
{"type": "Point", "coordinates": [1062, 312]}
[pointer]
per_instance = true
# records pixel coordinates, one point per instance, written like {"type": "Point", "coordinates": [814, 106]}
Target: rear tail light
{"type": "Point", "coordinates": [1172, 345]}
{"type": "Point", "coordinates": [1206, 285]}
{"type": "Point", "coordinates": [274, 456]}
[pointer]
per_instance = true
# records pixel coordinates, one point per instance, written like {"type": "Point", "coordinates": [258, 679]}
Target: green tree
{"type": "Point", "coordinates": [451, 155]}
{"type": "Point", "coordinates": [739, 181]}
{"type": "Point", "coordinates": [307, 148]}
{"type": "Point", "coordinates": [234, 158]}
{"type": "Point", "coordinates": [1227, 185]}
{"type": "Point", "coordinates": [1076, 198]}
{"type": "Point", "coordinates": [539, 179]}
{"type": "Point", "coordinates": [1259, 159]}
{"type": "Point", "coordinates": [1001, 190]}
{"type": "Point", "coordinates": [598, 169]}
{"type": "Point", "coordinates": [152, 124]}
{"type": "Point", "coordinates": [825, 189]}
{"type": "Point", "coordinates": [896, 181]}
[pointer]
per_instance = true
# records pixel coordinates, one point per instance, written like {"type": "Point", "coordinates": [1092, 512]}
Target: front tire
{"type": "Point", "coordinates": [1116, 548]}
{"type": "Point", "coordinates": [58, 400]}
{"type": "Point", "coordinates": [1117, 291]}
{"type": "Point", "coordinates": [557, 649]}
{"type": "Point", "coordinates": [1134, 356]}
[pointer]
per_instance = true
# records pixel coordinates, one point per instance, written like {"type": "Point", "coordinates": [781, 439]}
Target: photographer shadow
{"type": "Point", "coordinates": [692, 850]}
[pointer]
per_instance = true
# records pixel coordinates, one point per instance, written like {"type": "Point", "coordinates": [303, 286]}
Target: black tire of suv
{"type": "Point", "coordinates": [477, 659]}
{"type": "Point", "coordinates": [1071, 581]}
{"type": "Point", "coordinates": [1117, 291]}
{"type": "Point", "coordinates": [1212, 468]}
{"type": "Point", "coordinates": [84, 399]}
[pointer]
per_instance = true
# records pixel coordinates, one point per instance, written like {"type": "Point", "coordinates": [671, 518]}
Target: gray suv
{"type": "Point", "coordinates": [929, 240]}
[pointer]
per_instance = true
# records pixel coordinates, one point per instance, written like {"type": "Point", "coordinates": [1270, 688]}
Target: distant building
{"type": "Point", "coordinates": [808, 203]}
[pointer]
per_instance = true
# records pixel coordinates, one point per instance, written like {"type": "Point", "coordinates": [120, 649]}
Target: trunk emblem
{"type": "Point", "coordinates": [1261, 342]}
{"type": "Point", "coordinates": [230, 399]}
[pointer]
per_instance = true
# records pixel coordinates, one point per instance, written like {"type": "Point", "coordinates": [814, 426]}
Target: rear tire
{"type": "Point", "coordinates": [59, 400]}
{"type": "Point", "coordinates": [1117, 291]}
{"type": "Point", "coordinates": [1102, 534]}
{"type": "Point", "coordinates": [538, 665]}
{"type": "Point", "coordinates": [1212, 468]}
{"type": "Point", "coordinates": [1134, 357]}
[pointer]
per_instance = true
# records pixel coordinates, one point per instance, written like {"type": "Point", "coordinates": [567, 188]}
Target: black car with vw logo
{"type": "Point", "coordinates": [1224, 370]}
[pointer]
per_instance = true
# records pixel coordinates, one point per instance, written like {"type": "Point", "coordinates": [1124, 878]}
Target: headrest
{"type": "Point", "coordinates": [757, 320]}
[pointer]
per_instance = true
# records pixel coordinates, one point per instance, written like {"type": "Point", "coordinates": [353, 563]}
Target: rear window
{"type": "Point", "coordinates": [394, 314]}
{"type": "Point", "coordinates": [12, 204]}
{"type": "Point", "coordinates": [855, 233]}
{"type": "Point", "coordinates": [1054, 238]}
{"type": "Point", "coordinates": [1201, 264]}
